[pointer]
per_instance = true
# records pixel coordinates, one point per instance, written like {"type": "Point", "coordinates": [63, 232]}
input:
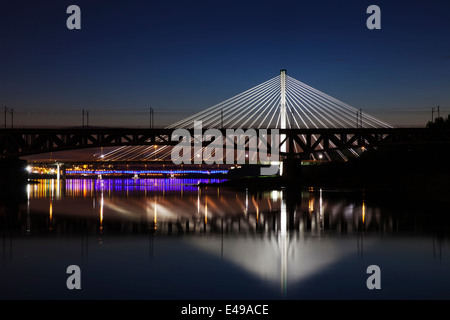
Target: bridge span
{"type": "Point", "coordinates": [32, 141]}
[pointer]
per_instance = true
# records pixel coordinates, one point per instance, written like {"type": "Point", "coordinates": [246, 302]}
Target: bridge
{"type": "Point", "coordinates": [309, 123]}
{"type": "Point", "coordinates": [31, 141]}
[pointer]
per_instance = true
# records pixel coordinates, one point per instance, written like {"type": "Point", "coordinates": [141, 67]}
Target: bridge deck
{"type": "Point", "coordinates": [29, 141]}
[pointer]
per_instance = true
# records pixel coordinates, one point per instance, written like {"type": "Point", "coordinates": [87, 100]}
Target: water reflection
{"type": "Point", "coordinates": [285, 239]}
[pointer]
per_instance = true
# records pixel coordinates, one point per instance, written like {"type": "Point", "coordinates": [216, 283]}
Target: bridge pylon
{"type": "Point", "coordinates": [283, 119]}
{"type": "Point", "coordinates": [283, 105]}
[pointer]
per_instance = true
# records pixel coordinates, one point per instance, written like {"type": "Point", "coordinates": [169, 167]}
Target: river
{"type": "Point", "coordinates": [174, 239]}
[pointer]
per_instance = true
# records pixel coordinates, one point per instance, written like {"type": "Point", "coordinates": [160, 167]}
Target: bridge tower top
{"type": "Point", "coordinates": [283, 99]}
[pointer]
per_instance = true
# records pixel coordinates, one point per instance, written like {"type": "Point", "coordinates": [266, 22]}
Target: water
{"type": "Point", "coordinates": [171, 239]}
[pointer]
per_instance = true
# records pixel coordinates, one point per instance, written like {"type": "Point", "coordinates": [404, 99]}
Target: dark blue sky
{"type": "Point", "coordinates": [183, 56]}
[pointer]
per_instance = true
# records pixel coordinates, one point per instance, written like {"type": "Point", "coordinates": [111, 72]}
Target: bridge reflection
{"type": "Point", "coordinates": [169, 206]}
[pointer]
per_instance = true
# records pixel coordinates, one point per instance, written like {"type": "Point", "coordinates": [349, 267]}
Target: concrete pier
{"type": "Point", "coordinates": [13, 177]}
{"type": "Point", "coordinates": [292, 168]}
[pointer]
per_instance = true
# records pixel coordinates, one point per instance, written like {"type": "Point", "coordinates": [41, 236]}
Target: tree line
{"type": "Point", "coordinates": [439, 122]}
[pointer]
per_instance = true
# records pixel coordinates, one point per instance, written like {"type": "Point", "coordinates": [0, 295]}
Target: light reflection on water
{"type": "Point", "coordinates": [174, 239]}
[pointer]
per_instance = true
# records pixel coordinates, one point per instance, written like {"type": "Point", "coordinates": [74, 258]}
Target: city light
{"type": "Point", "coordinates": [97, 172]}
{"type": "Point", "coordinates": [82, 170]}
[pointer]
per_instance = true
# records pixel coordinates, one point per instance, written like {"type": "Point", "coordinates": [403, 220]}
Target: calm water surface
{"type": "Point", "coordinates": [171, 239]}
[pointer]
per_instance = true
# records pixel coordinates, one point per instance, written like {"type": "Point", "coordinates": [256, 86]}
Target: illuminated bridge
{"type": "Point", "coordinates": [310, 124]}
{"type": "Point", "coordinates": [24, 142]}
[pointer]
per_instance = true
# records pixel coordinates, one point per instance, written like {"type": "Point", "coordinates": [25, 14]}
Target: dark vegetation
{"type": "Point", "coordinates": [421, 170]}
{"type": "Point", "coordinates": [439, 123]}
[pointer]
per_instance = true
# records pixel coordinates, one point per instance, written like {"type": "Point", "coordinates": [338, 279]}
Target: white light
{"type": "Point", "coordinates": [29, 168]}
{"type": "Point", "coordinates": [320, 156]}
{"type": "Point", "coordinates": [275, 195]}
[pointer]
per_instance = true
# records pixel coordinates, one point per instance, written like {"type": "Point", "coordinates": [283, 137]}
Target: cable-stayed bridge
{"type": "Point", "coordinates": [284, 103]}
{"type": "Point", "coordinates": [310, 124]}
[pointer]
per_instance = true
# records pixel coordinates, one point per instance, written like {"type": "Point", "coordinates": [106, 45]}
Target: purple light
{"type": "Point", "coordinates": [145, 171]}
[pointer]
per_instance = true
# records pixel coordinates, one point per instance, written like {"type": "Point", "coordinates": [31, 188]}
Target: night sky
{"type": "Point", "coordinates": [179, 57]}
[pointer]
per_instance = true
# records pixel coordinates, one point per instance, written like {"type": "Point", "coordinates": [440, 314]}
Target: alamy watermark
{"type": "Point", "coordinates": [74, 280]}
{"type": "Point", "coordinates": [374, 20]}
{"type": "Point", "coordinates": [236, 152]}
{"type": "Point", "coordinates": [374, 280]}
{"type": "Point", "coordinates": [74, 20]}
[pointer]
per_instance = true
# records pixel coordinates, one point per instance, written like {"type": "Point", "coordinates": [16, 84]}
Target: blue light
{"type": "Point", "coordinates": [146, 171]}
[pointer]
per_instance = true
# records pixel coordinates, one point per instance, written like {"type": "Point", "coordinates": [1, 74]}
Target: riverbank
{"type": "Point", "coordinates": [419, 173]}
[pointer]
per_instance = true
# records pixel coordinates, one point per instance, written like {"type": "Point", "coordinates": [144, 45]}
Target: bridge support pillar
{"type": "Point", "coordinates": [60, 171]}
{"type": "Point", "coordinates": [63, 172]}
{"type": "Point", "coordinates": [60, 180]}
{"type": "Point", "coordinates": [292, 168]}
